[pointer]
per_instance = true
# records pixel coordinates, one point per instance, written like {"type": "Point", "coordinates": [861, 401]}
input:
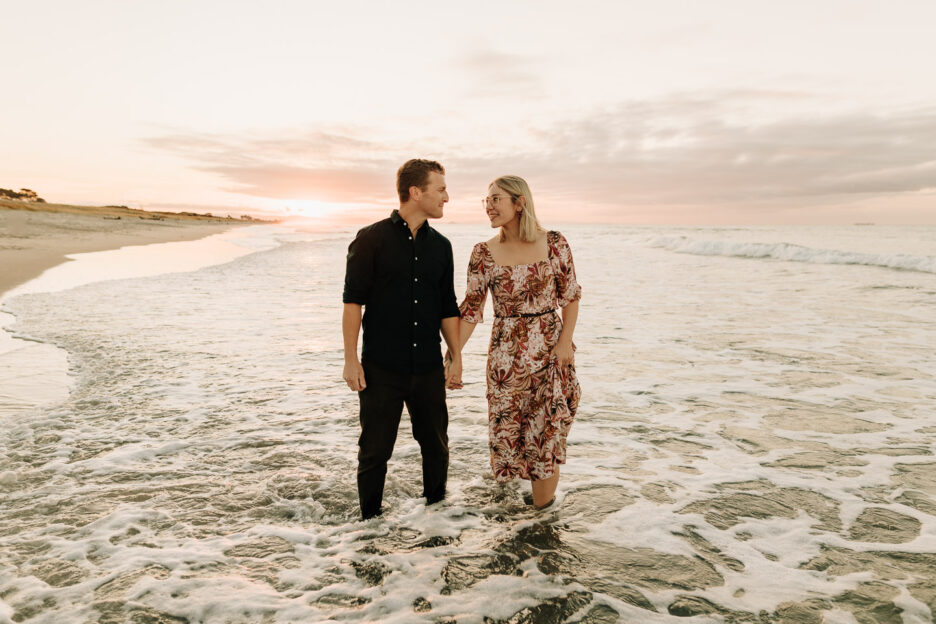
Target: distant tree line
{"type": "Point", "coordinates": [23, 195]}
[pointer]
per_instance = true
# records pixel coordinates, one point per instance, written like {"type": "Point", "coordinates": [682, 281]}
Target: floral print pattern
{"type": "Point", "coordinates": [531, 399]}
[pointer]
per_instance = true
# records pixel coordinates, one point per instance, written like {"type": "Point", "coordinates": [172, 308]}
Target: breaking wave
{"type": "Point", "coordinates": [793, 253]}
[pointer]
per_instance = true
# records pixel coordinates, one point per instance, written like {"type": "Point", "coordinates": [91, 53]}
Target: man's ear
{"type": "Point", "coordinates": [414, 192]}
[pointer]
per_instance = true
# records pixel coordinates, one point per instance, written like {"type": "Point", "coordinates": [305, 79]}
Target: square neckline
{"type": "Point", "coordinates": [523, 264]}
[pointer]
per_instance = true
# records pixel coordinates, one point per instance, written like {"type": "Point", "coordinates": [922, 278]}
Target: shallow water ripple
{"type": "Point", "coordinates": [755, 444]}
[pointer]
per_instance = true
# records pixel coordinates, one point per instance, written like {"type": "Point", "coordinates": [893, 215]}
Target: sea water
{"type": "Point", "coordinates": [755, 443]}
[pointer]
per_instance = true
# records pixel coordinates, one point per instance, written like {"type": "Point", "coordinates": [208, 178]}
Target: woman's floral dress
{"type": "Point", "coordinates": [531, 399]}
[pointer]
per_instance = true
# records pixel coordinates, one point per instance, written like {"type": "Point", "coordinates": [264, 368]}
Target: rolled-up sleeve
{"type": "Point", "coordinates": [449, 303]}
{"type": "Point", "coordinates": [567, 286]}
{"type": "Point", "coordinates": [359, 271]}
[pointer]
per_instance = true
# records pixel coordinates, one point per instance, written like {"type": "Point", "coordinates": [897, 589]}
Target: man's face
{"type": "Point", "coordinates": [434, 197]}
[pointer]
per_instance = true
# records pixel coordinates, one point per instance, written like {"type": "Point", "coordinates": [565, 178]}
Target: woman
{"type": "Point", "coordinates": [532, 390]}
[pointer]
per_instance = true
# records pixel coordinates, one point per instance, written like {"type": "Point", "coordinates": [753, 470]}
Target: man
{"type": "Point", "coordinates": [401, 271]}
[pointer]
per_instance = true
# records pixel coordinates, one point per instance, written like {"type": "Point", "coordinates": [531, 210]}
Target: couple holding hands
{"type": "Point", "coordinates": [399, 283]}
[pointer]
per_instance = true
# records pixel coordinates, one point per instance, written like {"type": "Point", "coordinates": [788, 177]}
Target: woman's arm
{"type": "Point", "coordinates": [465, 329]}
{"type": "Point", "coordinates": [563, 350]}
{"type": "Point", "coordinates": [464, 332]}
{"type": "Point", "coordinates": [472, 308]}
{"type": "Point", "coordinates": [569, 293]}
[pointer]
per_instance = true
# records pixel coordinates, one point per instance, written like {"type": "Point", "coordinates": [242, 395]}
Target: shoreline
{"type": "Point", "coordinates": [33, 373]}
{"type": "Point", "coordinates": [37, 237]}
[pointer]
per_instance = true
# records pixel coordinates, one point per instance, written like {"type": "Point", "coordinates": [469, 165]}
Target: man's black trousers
{"type": "Point", "coordinates": [382, 404]}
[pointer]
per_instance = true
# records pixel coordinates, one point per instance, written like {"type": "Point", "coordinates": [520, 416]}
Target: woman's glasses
{"type": "Point", "coordinates": [493, 200]}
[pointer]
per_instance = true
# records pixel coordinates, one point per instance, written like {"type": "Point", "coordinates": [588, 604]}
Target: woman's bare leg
{"type": "Point", "coordinates": [545, 489]}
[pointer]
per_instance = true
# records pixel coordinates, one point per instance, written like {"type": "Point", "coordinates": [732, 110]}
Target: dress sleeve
{"type": "Point", "coordinates": [472, 308]}
{"type": "Point", "coordinates": [567, 288]}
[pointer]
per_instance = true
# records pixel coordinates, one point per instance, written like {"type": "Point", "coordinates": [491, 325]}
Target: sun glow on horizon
{"type": "Point", "coordinates": [837, 128]}
{"type": "Point", "coordinates": [325, 212]}
{"type": "Point", "coordinates": [306, 207]}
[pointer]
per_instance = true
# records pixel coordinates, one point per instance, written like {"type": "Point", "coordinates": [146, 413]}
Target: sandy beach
{"type": "Point", "coordinates": [37, 236]}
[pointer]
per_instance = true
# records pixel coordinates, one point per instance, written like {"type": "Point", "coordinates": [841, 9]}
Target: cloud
{"type": "Point", "coordinates": [690, 151]}
{"type": "Point", "coordinates": [492, 74]}
{"type": "Point", "coordinates": [331, 166]}
{"type": "Point", "coordinates": [700, 149]}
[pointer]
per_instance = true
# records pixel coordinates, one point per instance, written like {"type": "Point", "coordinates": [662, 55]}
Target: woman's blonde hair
{"type": "Point", "coordinates": [517, 187]}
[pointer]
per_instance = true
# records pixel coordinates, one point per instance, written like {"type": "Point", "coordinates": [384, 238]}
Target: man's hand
{"type": "Point", "coordinates": [453, 373]}
{"type": "Point", "coordinates": [354, 375]}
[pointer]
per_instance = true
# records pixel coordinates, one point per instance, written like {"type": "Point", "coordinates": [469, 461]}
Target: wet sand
{"type": "Point", "coordinates": [36, 237]}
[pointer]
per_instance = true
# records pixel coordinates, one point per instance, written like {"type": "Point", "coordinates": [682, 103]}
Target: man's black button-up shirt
{"type": "Point", "coordinates": [405, 284]}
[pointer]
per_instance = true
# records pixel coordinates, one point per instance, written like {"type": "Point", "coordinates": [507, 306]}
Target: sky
{"type": "Point", "coordinates": [656, 112]}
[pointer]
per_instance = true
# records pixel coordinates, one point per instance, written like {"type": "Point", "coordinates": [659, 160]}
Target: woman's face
{"type": "Point", "coordinates": [500, 207]}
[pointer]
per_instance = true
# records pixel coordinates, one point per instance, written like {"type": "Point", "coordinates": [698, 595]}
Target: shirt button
{"type": "Point", "coordinates": [414, 344]}
{"type": "Point", "coordinates": [416, 258]}
{"type": "Point", "coordinates": [415, 322]}
{"type": "Point", "coordinates": [415, 300]}
{"type": "Point", "coordinates": [411, 238]}
{"type": "Point", "coordinates": [415, 279]}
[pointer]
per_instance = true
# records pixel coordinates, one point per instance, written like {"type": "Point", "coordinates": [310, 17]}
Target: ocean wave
{"type": "Point", "coordinates": [793, 253]}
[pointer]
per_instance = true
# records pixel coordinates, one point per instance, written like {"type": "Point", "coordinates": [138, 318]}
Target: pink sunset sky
{"type": "Point", "coordinates": [727, 111]}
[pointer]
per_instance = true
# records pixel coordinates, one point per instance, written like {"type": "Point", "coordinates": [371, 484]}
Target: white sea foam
{"type": "Point", "coordinates": [792, 253]}
{"type": "Point", "coordinates": [34, 374]}
{"type": "Point", "coordinates": [203, 465]}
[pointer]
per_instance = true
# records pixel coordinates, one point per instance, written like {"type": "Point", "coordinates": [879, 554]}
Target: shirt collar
{"type": "Point", "coordinates": [396, 219]}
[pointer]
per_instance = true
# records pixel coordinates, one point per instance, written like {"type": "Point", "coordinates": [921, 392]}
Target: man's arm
{"type": "Point", "coordinates": [359, 278]}
{"type": "Point", "coordinates": [453, 361]}
{"type": "Point", "coordinates": [450, 322]}
{"type": "Point", "coordinates": [350, 329]}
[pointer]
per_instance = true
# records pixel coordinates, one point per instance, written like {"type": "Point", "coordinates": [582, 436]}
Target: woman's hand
{"type": "Point", "coordinates": [563, 352]}
{"type": "Point", "coordinates": [453, 375]}
{"type": "Point", "coordinates": [453, 372]}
